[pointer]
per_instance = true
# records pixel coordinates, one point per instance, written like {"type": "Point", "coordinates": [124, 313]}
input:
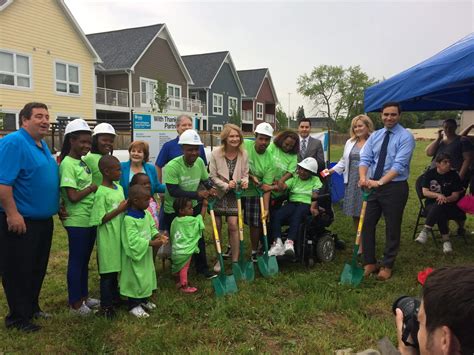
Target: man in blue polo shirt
{"type": "Point", "coordinates": [384, 168]}
{"type": "Point", "coordinates": [29, 197]}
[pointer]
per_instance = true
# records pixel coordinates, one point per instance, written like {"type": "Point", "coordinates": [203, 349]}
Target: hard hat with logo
{"type": "Point", "coordinates": [104, 128]}
{"type": "Point", "coordinates": [190, 137]}
{"type": "Point", "coordinates": [265, 128]}
{"type": "Point", "coordinates": [77, 125]}
{"type": "Point", "coordinates": [309, 164]}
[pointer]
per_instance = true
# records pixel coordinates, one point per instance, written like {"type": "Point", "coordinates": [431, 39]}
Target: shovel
{"type": "Point", "coordinates": [352, 274]}
{"type": "Point", "coordinates": [223, 284]}
{"type": "Point", "coordinates": [267, 265]}
{"type": "Point", "coordinates": [243, 269]}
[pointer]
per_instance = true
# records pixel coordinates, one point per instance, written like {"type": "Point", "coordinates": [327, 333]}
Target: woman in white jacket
{"type": "Point", "coordinates": [361, 128]}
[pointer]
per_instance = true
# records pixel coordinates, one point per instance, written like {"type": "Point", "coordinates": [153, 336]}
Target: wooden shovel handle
{"type": "Point", "coordinates": [361, 222]}
{"type": "Point", "coordinates": [262, 212]}
{"type": "Point", "coordinates": [216, 235]}
{"type": "Point", "coordinates": [241, 219]}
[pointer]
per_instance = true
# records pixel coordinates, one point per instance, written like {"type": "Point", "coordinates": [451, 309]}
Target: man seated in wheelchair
{"type": "Point", "coordinates": [303, 190]}
{"type": "Point", "coordinates": [442, 188]}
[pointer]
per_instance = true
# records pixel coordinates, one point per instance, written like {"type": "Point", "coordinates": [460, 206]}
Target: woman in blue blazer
{"type": "Point", "coordinates": [138, 163]}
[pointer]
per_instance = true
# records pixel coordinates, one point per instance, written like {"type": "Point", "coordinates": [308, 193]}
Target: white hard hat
{"type": "Point", "coordinates": [77, 125]}
{"type": "Point", "coordinates": [190, 137]}
{"type": "Point", "coordinates": [104, 128]}
{"type": "Point", "coordinates": [265, 128]}
{"type": "Point", "coordinates": [309, 164]}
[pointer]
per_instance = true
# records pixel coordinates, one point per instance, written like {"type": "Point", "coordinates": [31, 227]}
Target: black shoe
{"type": "Point", "coordinates": [26, 327]}
{"type": "Point", "coordinates": [208, 275]}
{"type": "Point", "coordinates": [339, 243]}
{"type": "Point", "coordinates": [228, 253]}
{"type": "Point", "coordinates": [107, 312]}
{"type": "Point", "coordinates": [254, 257]}
{"type": "Point", "coordinates": [461, 232]}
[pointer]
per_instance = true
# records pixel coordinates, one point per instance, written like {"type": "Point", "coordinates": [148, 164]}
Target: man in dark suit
{"type": "Point", "coordinates": [309, 146]}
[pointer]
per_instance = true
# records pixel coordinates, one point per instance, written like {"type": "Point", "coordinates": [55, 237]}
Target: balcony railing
{"type": "Point", "coordinates": [247, 116]}
{"type": "Point", "coordinates": [147, 101]}
{"type": "Point", "coordinates": [111, 97]}
{"type": "Point", "coordinates": [269, 118]}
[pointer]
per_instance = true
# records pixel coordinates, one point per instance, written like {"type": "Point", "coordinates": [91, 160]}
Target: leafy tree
{"type": "Point", "coordinates": [282, 118]}
{"type": "Point", "coordinates": [235, 118]}
{"type": "Point", "coordinates": [300, 113]}
{"type": "Point", "coordinates": [161, 97]}
{"type": "Point", "coordinates": [2, 116]}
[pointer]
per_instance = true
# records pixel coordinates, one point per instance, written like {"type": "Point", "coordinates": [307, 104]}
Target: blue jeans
{"type": "Point", "coordinates": [81, 243]}
{"type": "Point", "coordinates": [293, 214]}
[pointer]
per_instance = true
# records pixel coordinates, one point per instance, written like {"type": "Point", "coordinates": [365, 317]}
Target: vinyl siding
{"type": "Point", "coordinates": [42, 30]}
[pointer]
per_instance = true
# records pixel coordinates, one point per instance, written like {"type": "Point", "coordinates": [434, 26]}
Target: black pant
{"type": "Point", "coordinates": [24, 266]}
{"type": "Point", "coordinates": [200, 259]}
{"type": "Point", "coordinates": [109, 292]}
{"type": "Point", "coordinates": [441, 214]}
{"type": "Point", "coordinates": [389, 200]}
{"type": "Point", "coordinates": [134, 302]}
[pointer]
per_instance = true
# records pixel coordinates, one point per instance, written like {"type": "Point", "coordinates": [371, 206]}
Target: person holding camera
{"type": "Point", "coordinates": [443, 322]}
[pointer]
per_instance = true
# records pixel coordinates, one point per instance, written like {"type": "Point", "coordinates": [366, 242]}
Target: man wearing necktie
{"type": "Point", "coordinates": [384, 167]}
{"type": "Point", "coordinates": [309, 146]}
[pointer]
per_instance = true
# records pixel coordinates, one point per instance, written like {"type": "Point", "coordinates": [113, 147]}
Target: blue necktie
{"type": "Point", "coordinates": [383, 154]}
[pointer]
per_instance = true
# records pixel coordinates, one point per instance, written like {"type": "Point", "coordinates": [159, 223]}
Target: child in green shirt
{"type": "Point", "coordinates": [77, 193]}
{"type": "Point", "coordinates": [103, 138]}
{"type": "Point", "coordinates": [139, 235]}
{"type": "Point", "coordinates": [185, 233]}
{"type": "Point", "coordinates": [303, 191]}
{"type": "Point", "coordinates": [107, 215]}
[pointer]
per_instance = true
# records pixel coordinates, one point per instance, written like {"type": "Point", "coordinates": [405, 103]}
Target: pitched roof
{"type": "Point", "coordinates": [120, 49]}
{"type": "Point", "coordinates": [252, 80]}
{"type": "Point", "coordinates": [204, 67]}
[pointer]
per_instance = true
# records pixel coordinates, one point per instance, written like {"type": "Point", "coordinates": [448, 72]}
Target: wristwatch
{"type": "Point", "coordinates": [379, 182]}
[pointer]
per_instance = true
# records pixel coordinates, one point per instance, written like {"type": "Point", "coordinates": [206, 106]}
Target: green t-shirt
{"type": "Point", "coordinates": [109, 245]}
{"type": "Point", "coordinates": [92, 161]}
{"type": "Point", "coordinates": [260, 165]}
{"type": "Point", "coordinates": [302, 190]}
{"type": "Point", "coordinates": [138, 276]}
{"type": "Point", "coordinates": [185, 234]}
{"type": "Point", "coordinates": [74, 173]}
{"type": "Point", "coordinates": [282, 163]}
{"type": "Point", "coordinates": [187, 177]}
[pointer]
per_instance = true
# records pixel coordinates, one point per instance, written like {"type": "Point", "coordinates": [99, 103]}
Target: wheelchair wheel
{"type": "Point", "coordinates": [325, 248]}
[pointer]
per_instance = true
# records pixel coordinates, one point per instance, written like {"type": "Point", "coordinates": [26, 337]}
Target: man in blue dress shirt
{"type": "Point", "coordinates": [29, 197]}
{"type": "Point", "coordinates": [384, 167]}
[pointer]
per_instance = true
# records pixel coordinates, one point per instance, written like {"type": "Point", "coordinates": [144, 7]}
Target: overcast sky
{"type": "Point", "coordinates": [292, 37]}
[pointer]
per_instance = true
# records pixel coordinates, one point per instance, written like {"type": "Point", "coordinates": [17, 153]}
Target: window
{"type": "Point", "coordinates": [147, 91]}
{"type": "Point", "coordinates": [194, 96]}
{"type": "Point", "coordinates": [217, 127]}
{"type": "Point", "coordinates": [217, 104]}
{"type": "Point", "coordinates": [259, 111]}
{"type": "Point", "coordinates": [67, 79]}
{"type": "Point", "coordinates": [15, 70]}
{"type": "Point", "coordinates": [9, 122]}
{"type": "Point", "coordinates": [233, 104]}
{"type": "Point", "coordinates": [174, 94]}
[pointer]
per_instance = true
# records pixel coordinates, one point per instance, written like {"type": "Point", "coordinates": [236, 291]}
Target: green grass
{"type": "Point", "coordinates": [300, 310]}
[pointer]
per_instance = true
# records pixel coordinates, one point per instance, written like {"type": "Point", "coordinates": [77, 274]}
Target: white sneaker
{"type": "Point", "coordinates": [289, 248]}
{"type": "Point", "coordinates": [139, 312]}
{"type": "Point", "coordinates": [83, 310]}
{"type": "Point", "coordinates": [149, 306]}
{"type": "Point", "coordinates": [447, 247]}
{"type": "Point", "coordinates": [277, 248]}
{"type": "Point", "coordinates": [217, 267]}
{"type": "Point", "coordinates": [92, 302]}
{"type": "Point", "coordinates": [422, 237]}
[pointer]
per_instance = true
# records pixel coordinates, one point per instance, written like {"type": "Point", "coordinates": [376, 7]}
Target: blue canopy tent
{"type": "Point", "coordinates": [442, 82]}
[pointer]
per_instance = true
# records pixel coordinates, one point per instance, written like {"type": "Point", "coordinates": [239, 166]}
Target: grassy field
{"type": "Point", "coordinates": [301, 310]}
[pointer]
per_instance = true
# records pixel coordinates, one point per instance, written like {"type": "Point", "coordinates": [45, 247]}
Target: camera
{"type": "Point", "coordinates": [409, 307]}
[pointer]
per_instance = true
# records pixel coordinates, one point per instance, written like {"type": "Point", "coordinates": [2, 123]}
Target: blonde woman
{"type": "Point", "coordinates": [361, 128]}
{"type": "Point", "coordinates": [229, 165]}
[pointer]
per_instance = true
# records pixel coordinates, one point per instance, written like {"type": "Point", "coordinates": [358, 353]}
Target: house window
{"type": "Point", "coordinates": [217, 104]}
{"type": "Point", "coordinates": [217, 127]}
{"type": "Point", "coordinates": [67, 79]}
{"type": "Point", "coordinates": [147, 91]}
{"type": "Point", "coordinates": [15, 70]}
{"type": "Point", "coordinates": [259, 111]}
{"type": "Point", "coordinates": [8, 121]}
{"type": "Point", "coordinates": [194, 96]}
{"type": "Point", "coordinates": [233, 105]}
{"type": "Point", "coordinates": [174, 96]}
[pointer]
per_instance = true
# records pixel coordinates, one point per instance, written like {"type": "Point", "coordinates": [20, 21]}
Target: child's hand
{"type": "Point", "coordinates": [164, 239]}
{"type": "Point", "coordinates": [92, 188]}
{"type": "Point", "coordinates": [314, 211]}
{"type": "Point", "coordinates": [123, 206]}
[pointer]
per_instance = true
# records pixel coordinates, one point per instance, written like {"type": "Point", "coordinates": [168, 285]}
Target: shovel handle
{"type": "Point", "coordinates": [216, 235]}
{"type": "Point", "coordinates": [361, 222]}
{"type": "Point", "coordinates": [241, 219]}
{"type": "Point", "coordinates": [264, 222]}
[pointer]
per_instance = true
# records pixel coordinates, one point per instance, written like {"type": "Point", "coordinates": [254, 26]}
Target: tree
{"type": "Point", "coordinates": [161, 97]}
{"type": "Point", "coordinates": [337, 93]}
{"type": "Point", "coordinates": [2, 116]}
{"type": "Point", "coordinates": [235, 117]}
{"type": "Point", "coordinates": [282, 118]}
{"type": "Point", "coordinates": [300, 113]}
